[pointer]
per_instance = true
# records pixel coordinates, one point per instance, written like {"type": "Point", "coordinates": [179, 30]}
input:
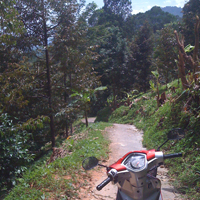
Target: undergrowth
{"type": "Point", "coordinates": [62, 178]}
{"type": "Point", "coordinates": [103, 115]}
{"type": "Point", "coordinates": [181, 109]}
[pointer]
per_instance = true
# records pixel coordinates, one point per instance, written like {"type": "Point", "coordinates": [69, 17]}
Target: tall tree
{"type": "Point", "coordinates": [166, 53]}
{"type": "Point", "coordinates": [113, 57]}
{"type": "Point", "coordinates": [14, 138]}
{"type": "Point", "coordinates": [11, 61]}
{"type": "Point", "coordinates": [10, 29]}
{"type": "Point", "coordinates": [41, 18]}
{"type": "Point", "coordinates": [141, 50]}
{"type": "Point", "coordinates": [72, 58]}
{"type": "Point", "coordinates": [190, 10]}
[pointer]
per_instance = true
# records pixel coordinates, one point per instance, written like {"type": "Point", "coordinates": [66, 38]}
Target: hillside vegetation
{"type": "Point", "coordinates": [173, 10]}
{"type": "Point", "coordinates": [62, 60]}
{"type": "Point", "coordinates": [181, 109]}
{"type": "Point", "coordinates": [58, 174]}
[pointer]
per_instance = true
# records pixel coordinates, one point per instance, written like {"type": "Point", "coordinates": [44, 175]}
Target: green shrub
{"type": "Point", "coordinates": [103, 115]}
{"type": "Point", "coordinates": [118, 114]}
{"type": "Point", "coordinates": [14, 150]}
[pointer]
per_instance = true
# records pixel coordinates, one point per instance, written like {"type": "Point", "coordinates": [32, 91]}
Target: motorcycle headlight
{"type": "Point", "coordinates": [135, 161]}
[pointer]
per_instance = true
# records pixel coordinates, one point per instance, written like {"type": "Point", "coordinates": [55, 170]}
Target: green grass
{"type": "Point", "coordinates": [61, 178]}
{"type": "Point", "coordinates": [156, 122]}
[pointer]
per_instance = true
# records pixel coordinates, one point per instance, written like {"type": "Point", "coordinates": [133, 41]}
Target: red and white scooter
{"type": "Point", "coordinates": [135, 173]}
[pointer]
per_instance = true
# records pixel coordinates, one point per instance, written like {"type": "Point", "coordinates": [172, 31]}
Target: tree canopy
{"type": "Point", "coordinates": [118, 7]}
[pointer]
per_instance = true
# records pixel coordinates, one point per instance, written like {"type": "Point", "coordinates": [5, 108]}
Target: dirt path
{"type": "Point", "coordinates": [124, 138]}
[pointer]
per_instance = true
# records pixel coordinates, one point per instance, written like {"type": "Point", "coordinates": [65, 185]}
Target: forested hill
{"type": "Point", "coordinates": [173, 10]}
{"type": "Point", "coordinates": [156, 17]}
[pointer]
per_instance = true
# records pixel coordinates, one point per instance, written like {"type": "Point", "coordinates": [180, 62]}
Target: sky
{"type": "Point", "coordinates": [144, 5]}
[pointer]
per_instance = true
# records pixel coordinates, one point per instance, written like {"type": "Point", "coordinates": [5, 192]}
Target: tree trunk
{"type": "Point", "coordinates": [181, 64]}
{"type": "Point", "coordinates": [196, 49]}
{"type": "Point", "coordinates": [114, 94]}
{"type": "Point", "coordinates": [167, 79]}
{"type": "Point", "coordinates": [70, 120]}
{"type": "Point", "coordinates": [178, 76]}
{"type": "Point", "coordinates": [67, 129]}
{"type": "Point", "coordinates": [86, 118]}
{"type": "Point", "coordinates": [182, 71]}
{"type": "Point", "coordinates": [158, 103]}
{"type": "Point", "coordinates": [71, 127]}
{"type": "Point", "coordinates": [65, 100]}
{"type": "Point", "coordinates": [48, 80]}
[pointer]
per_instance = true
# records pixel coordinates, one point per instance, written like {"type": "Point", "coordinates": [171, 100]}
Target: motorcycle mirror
{"type": "Point", "coordinates": [90, 163]}
{"type": "Point", "coordinates": [175, 134]}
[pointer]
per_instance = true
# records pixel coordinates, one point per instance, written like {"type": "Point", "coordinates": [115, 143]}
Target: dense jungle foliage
{"type": "Point", "coordinates": [61, 60]}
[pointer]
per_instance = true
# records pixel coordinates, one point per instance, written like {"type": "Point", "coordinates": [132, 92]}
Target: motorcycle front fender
{"type": "Point", "coordinates": [122, 196]}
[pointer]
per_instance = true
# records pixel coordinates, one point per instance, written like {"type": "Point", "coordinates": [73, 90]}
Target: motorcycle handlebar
{"type": "Point", "coordinates": [104, 183]}
{"type": "Point", "coordinates": [174, 155]}
{"type": "Point", "coordinates": [109, 179]}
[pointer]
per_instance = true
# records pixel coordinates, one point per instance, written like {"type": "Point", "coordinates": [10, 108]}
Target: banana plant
{"type": "Point", "coordinates": [84, 98]}
{"type": "Point", "coordinates": [156, 74]}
